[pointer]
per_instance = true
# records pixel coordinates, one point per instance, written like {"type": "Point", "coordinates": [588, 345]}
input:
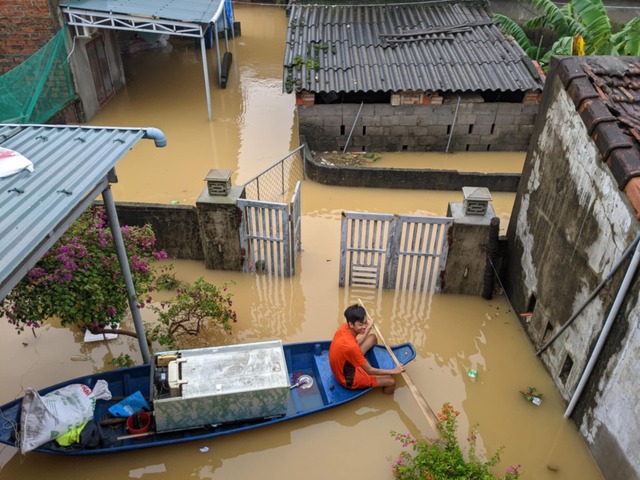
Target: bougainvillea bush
{"type": "Point", "coordinates": [79, 280]}
{"type": "Point", "coordinates": [443, 459]}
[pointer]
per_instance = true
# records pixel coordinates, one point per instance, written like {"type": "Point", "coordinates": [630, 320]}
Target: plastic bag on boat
{"type": "Point", "coordinates": [130, 405]}
{"type": "Point", "coordinates": [45, 418]}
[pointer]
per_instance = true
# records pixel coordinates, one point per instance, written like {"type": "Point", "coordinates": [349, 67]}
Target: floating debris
{"type": "Point", "coordinates": [532, 395]}
{"type": "Point", "coordinates": [80, 358]}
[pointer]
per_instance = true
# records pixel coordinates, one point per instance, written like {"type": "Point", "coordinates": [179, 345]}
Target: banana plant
{"type": "Point", "coordinates": [627, 40]}
{"type": "Point", "coordinates": [577, 22]}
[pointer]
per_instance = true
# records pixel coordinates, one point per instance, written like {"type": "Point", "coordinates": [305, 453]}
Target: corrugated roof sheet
{"type": "Point", "coordinates": [196, 11]}
{"type": "Point", "coordinates": [448, 47]}
{"type": "Point", "coordinates": [70, 169]}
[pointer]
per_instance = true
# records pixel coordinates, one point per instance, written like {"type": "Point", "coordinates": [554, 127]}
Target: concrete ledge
{"type": "Point", "coordinates": [407, 178]}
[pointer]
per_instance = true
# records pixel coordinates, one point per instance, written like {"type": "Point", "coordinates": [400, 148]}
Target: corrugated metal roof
{"type": "Point", "coordinates": [197, 11]}
{"type": "Point", "coordinates": [70, 170]}
{"type": "Point", "coordinates": [447, 46]}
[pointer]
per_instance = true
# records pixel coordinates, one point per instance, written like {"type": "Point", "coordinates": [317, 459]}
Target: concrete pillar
{"type": "Point", "coordinates": [219, 218]}
{"type": "Point", "coordinates": [466, 260]}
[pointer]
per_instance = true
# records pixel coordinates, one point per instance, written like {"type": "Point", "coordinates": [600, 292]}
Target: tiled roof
{"type": "Point", "coordinates": [449, 46]}
{"type": "Point", "coordinates": [606, 93]}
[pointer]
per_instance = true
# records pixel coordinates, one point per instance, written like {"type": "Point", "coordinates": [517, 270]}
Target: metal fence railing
{"type": "Point", "coordinates": [277, 183]}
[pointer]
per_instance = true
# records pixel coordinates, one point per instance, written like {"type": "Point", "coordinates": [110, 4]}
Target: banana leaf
{"type": "Point", "coordinates": [559, 20]}
{"type": "Point", "coordinates": [627, 40]}
{"type": "Point", "coordinates": [509, 27]}
{"type": "Point", "coordinates": [597, 32]}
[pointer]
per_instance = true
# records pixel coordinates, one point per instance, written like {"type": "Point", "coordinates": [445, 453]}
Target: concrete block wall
{"type": "Point", "coordinates": [208, 231]}
{"type": "Point", "coordinates": [387, 128]}
{"type": "Point", "coordinates": [175, 226]}
{"type": "Point", "coordinates": [570, 225]}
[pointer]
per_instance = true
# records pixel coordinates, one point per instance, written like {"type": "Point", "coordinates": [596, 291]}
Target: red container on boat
{"type": "Point", "coordinates": [143, 423]}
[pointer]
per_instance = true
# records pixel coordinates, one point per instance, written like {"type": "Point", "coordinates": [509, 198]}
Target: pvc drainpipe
{"type": "Point", "coordinates": [592, 296]}
{"type": "Point", "coordinates": [352, 127]}
{"type": "Point", "coordinates": [205, 69]}
{"type": "Point", "coordinates": [157, 136]}
{"type": "Point", "coordinates": [455, 117]}
{"type": "Point", "coordinates": [114, 223]}
{"type": "Point", "coordinates": [628, 277]}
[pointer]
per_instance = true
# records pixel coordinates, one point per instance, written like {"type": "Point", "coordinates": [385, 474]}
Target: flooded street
{"type": "Point", "coordinates": [253, 127]}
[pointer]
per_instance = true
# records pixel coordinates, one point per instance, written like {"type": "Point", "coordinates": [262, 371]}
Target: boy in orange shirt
{"type": "Point", "coordinates": [346, 355]}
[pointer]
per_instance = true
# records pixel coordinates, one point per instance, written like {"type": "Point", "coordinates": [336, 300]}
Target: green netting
{"type": "Point", "coordinates": [39, 87]}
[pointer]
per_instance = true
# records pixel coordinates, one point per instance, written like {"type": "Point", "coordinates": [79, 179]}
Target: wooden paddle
{"type": "Point", "coordinates": [135, 435]}
{"type": "Point", "coordinates": [420, 400]}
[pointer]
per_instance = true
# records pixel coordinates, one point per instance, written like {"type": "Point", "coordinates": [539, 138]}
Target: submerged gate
{"type": "Point", "coordinates": [270, 235]}
{"type": "Point", "coordinates": [405, 252]}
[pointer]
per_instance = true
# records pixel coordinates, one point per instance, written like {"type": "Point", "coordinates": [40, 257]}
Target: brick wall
{"type": "Point", "coordinates": [25, 26]}
{"type": "Point", "coordinates": [387, 128]}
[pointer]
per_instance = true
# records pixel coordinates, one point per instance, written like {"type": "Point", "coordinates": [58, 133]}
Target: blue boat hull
{"type": "Point", "coordinates": [309, 358]}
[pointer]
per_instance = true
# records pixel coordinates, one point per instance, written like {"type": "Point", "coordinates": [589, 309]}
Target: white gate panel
{"type": "Point", "coordinates": [270, 235]}
{"type": "Point", "coordinates": [393, 251]}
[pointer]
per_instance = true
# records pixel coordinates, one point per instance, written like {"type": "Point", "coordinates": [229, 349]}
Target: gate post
{"type": "Point", "coordinates": [219, 218]}
{"type": "Point", "coordinates": [466, 260]}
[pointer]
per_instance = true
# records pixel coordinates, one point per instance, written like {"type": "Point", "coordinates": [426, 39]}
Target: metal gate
{"type": "Point", "coordinates": [270, 235]}
{"type": "Point", "coordinates": [395, 251]}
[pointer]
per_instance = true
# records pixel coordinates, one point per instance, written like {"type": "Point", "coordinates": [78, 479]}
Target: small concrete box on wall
{"type": "Point", "coordinates": [476, 200]}
{"type": "Point", "coordinates": [218, 182]}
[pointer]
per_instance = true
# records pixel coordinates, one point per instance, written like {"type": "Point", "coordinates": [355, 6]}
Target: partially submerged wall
{"type": "Point", "coordinates": [175, 226]}
{"type": "Point", "coordinates": [417, 128]}
{"type": "Point", "coordinates": [570, 225]}
{"type": "Point", "coordinates": [406, 178]}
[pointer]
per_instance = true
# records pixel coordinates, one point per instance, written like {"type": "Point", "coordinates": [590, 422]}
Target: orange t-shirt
{"type": "Point", "coordinates": [346, 360]}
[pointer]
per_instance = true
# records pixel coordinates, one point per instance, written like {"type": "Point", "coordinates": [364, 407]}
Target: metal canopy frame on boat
{"type": "Point", "coordinates": [72, 166]}
{"type": "Point", "coordinates": [183, 18]}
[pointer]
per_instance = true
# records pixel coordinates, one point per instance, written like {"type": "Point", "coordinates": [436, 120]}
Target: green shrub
{"type": "Point", "coordinates": [196, 312]}
{"type": "Point", "coordinates": [443, 459]}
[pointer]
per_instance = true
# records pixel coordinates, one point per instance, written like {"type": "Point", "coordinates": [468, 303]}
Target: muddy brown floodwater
{"type": "Point", "coordinates": [254, 126]}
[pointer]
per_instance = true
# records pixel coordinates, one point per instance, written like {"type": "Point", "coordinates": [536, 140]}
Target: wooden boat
{"type": "Point", "coordinates": [310, 387]}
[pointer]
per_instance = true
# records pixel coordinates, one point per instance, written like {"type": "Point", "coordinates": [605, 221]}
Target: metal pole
{"type": "Point", "coordinates": [352, 127]}
{"type": "Point", "coordinates": [282, 190]}
{"type": "Point", "coordinates": [492, 252]}
{"type": "Point", "coordinates": [455, 117]}
{"type": "Point", "coordinates": [218, 53]}
{"type": "Point", "coordinates": [114, 223]}
{"type": "Point", "coordinates": [628, 277]}
{"type": "Point", "coordinates": [591, 297]}
{"type": "Point", "coordinates": [206, 75]}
